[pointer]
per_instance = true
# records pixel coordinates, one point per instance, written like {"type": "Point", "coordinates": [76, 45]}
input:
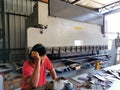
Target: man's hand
{"type": "Point", "coordinates": [36, 56]}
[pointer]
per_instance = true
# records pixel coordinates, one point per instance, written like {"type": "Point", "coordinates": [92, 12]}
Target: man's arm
{"type": "Point", "coordinates": [53, 74]}
{"type": "Point", "coordinates": [34, 79]}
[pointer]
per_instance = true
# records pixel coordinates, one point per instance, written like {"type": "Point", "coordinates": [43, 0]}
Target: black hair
{"type": "Point", "coordinates": [39, 48]}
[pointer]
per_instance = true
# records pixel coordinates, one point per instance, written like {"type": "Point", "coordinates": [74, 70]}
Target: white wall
{"type": "Point", "coordinates": [63, 32]}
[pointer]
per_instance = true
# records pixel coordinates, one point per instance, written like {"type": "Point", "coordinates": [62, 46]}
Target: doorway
{"type": "Point", "coordinates": [112, 29]}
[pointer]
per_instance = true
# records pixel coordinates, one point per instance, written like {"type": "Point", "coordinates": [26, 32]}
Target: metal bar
{"type": "Point", "coordinates": [17, 49]}
{"type": "Point", "coordinates": [8, 23]}
{"type": "Point", "coordinates": [112, 11]}
{"type": "Point", "coordinates": [14, 49]}
{"type": "Point", "coordinates": [103, 27]}
{"type": "Point", "coordinates": [3, 28]}
{"type": "Point", "coordinates": [17, 14]}
{"type": "Point", "coordinates": [14, 32]}
{"type": "Point", "coordinates": [109, 4]}
{"type": "Point", "coordinates": [74, 1]}
{"type": "Point", "coordinates": [20, 31]}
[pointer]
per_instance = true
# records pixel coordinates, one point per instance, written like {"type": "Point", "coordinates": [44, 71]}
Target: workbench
{"type": "Point", "coordinates": [104, 79]}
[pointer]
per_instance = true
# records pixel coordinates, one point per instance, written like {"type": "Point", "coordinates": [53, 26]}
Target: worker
{"type": "Point", "coordinates": [34, 69]}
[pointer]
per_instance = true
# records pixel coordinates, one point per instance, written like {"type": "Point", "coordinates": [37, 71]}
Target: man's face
{"type": "Point", "coordinates": [43, 58]}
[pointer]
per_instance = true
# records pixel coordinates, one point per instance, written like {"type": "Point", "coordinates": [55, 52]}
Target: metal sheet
{"type": "Point", "coordinates": [62, 9]}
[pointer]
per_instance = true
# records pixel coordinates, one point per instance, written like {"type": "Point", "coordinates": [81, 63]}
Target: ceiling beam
{"type": "Point", "coordinates": [110, 4]}
{"type": "Point", "coordinates": [74, 1]}
{"type": "Point", "coordinates": [115, 6]}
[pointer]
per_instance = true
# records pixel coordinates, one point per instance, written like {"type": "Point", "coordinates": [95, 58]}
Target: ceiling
{"type": "Point", "coordinates": [95, 4]}
{"type": "Point", "coordinates": [100, 5]}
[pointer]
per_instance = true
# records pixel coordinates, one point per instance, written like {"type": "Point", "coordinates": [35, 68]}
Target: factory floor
{"type": "Point", "coordinates": [68, 74]}
{"type": "Point", "coordinates": [72, 73]}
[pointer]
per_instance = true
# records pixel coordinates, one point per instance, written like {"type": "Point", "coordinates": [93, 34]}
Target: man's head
{"type": "Point", "coordinates": [38, 48]}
